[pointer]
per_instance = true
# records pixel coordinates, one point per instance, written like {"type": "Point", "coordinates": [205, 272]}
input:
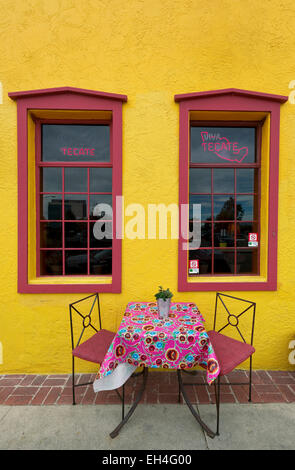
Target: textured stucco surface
{"type": "Point", "coordinates": [149, 50]}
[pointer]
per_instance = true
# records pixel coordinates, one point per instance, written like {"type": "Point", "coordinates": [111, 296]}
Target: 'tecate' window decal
{"type": "Point", "coordinates": [222, 145]}
{"type": "Point", "coordinates": [75, 143]}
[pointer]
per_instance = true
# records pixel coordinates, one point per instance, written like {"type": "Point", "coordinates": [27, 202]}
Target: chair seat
{"type": "Point", "coordinates": [95, 348]}
{"type": "Point", "coordinates": [229, 352]}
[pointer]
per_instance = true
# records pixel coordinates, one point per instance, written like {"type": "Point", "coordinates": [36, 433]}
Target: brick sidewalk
{"type": "Point", "coordinates": [162, 387]}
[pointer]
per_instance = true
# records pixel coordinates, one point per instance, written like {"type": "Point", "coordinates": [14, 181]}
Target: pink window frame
{"type": "Point", "coordinates": [75, 99]}
{"type": "Point", "coordinates": [231, 100]}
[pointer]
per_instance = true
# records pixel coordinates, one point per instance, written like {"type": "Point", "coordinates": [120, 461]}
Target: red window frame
{"type": "Point", "coordinates": [63, 165]}
{"type": "Point", "coordinates": [231, 101]}
{"type": "Point", "coordinates": [256, 166]}
{"type": "Point", "coordinates": [66, 99]}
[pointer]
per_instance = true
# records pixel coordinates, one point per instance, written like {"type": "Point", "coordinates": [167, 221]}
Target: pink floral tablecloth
{"type": "Point", "coordinates": [178, 342]}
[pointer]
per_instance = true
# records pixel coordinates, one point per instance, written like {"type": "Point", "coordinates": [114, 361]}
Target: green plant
{"type": "Point", "coordinates": [163, 294]}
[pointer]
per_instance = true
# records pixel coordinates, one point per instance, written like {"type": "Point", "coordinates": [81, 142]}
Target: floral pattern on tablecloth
{"type": "Point", "coordinates": [177, 342]}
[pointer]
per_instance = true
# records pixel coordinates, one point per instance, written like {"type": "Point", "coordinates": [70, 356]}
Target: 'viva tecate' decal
{"type": "Point", "coordinates": [223, 148]}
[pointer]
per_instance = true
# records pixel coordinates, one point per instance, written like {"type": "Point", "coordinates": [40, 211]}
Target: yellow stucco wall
{"type": "Point", "coordinates": [149, 50]}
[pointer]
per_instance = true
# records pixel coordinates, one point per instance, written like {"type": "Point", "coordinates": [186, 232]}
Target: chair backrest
{"type": "Point", "coordinates": [86, 320]}
{"type": "Point", "coordinates": [233, 320]}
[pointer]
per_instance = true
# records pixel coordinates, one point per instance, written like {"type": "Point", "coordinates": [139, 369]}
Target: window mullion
{"type": "Point", "coordinates": [235, 222]}
{"type": "Point", "coordinates": [212, 224]}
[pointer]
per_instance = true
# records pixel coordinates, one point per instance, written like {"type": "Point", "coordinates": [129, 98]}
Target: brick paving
{"type": "Point", "coordinates": [162, 387]}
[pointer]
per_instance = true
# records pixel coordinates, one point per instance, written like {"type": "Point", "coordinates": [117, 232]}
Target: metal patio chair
{"type": "Point", "coordinates": [229, 352]}
{"type": "Point", "coordinates": [94, 348]}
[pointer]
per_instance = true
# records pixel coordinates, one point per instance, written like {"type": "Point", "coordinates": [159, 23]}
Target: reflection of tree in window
{"type": "Point", "coordinates": [228, 209]}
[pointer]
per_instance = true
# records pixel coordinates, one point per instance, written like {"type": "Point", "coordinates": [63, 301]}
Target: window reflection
{"type": "Point", "coordinates": [246, 180]}
{"type": "Point", "coordinates": [76, 207]}
{"type": "Point", "coordinates": [50, 235]}
{"type": "Point", "coordinates": [76, 262]}
{"type": "Point", "coordinates": [224, 234]}
{"type": "Point", "coordinates": [245, 206]}
{"type": "Point", "coordinates": [200, 180]}
{"type": "Point", "coordinates": [101, 234]}
{"type": "Point", "coordinates": [100, 180]}
{"type": "Point", "coordinates": [205, 202]}
{"type": "Point", "coordinates": [50, 263]}
{"type": "Point", "coordinates": [205, 260]}
{"type": "Point", "coordinates": [51, 207]}
{"type": "Point", "coordinates": [76, 235]}
{"type": "Point", "coordinates": [243, 230]}
{"type": "Point", "coordinates": [247, 261]}
{"type": "Point", "coordinates": [104, 210]}
{"type": "Point", "coordinates": [224, 180]}
{"type": "Point", "coordinates": [76, 180]}
{"type": "Point", "coordinates": [224, 207]}
{"type": "Point", "coordinates": [224, 262]}
{"type": "Point", "coordinates": [51, 180]}
{"type": "Point", "coordinates": [101, 262]}
{"type": "Point", "coordinates": [206, 232]}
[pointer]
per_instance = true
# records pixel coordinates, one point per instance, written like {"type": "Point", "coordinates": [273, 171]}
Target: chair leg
{"type": "Point", "coordinates": [123, 401]}
{"type": "Point", "coordinates": [250, 380]}
{"type": "Point", "coordinates": [73, 380]}
{"type": "Point", "coordinates": [217, 399]}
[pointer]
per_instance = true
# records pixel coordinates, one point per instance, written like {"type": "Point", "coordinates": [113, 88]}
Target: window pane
{"type": "Point", "coordinates": [224, 207]}
{"type": "Point", "coordinates": [100, 234]}
{"type": "Point", "coordinates": [105, 210]}
{"type": "Point", "coordinates": [76, 180]}
{"type": "Point", "coordinates": [50, 263]}
{"type": "Point", "coordinates": [206, 232]}
{"type": "Point", "coordinates": [76, 207]}
{"type": "Point", "coordinates": [50, 235]}
{"type": "Point", "coordinates": [205, 202]}
{"type": "Point", "coordinates": [75, 235]}
{"type": "Point", "coordinates": [247, 261]}
{"type": "Point", "coordinates": [101, 262]}
{"type": "Point", "coordinates": [224, 261]}
{"type": "Point", "coordinates": [224, 180]}
{"type": "Point", "coordinates": [75, 143]}
{"type": "Point", "coordinates": [51, 180]}
{"type": "Point", "coordinates": [245, 208]}
{"type": "Point", "coordinates": [200, 180]}
{"type": "Point", "coordinates": [76, 262]}
{"type": "Point", "coordinates": [247, 180]}
{"type": "Point", "coordinates": [223, 144]}
{"type": "Point", "coordinates": [205, 260]}
{"type": "Point", "coordinates": [100, 180]}
{"type": "Point", "coordinates": [243, 230]}
{"type": "Point", "coordinates": [224, 234]}
{"type": "Point", "coordinates": [50, 207]}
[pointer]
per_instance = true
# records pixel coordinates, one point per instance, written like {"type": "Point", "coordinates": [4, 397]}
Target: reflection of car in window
{"type": "Point", "coordinates": [102, 261]}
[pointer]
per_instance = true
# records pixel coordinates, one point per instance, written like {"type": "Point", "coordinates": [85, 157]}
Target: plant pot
{"type": "Point", "coordinates": [163, 307]}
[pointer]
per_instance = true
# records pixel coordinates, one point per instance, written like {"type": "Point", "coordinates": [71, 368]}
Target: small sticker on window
{"type": "Point", "coordinates": [253, 239]}
{"type": "Point", "coordinates": [194, 266]}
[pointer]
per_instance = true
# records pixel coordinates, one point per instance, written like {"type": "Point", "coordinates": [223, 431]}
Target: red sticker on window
{"type": "Point", "coordinates": [194, 266]}
{"type": "Point", "coordinates": [252, 239]}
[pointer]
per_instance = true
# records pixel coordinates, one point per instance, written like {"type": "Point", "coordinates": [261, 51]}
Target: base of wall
{"type": "Point", "coordinates": [268, 387]}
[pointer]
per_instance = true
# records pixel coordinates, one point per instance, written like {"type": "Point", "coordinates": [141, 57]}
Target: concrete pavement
{"type": "Point", "coordinates": [152, 427]}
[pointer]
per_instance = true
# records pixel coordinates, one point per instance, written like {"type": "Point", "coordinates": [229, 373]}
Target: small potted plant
{"type": "Point", "coordinates": [163, 300]}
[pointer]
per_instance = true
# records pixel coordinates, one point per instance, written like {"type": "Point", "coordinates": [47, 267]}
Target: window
{"type": "Point", "coordinates": [74, 177]}
{"type": "Point", "coordinates": [224, 178]}
{"type": "Point", "coordinates": [70, 176]}
{"type": "Point", "coordinates": [229, 149]}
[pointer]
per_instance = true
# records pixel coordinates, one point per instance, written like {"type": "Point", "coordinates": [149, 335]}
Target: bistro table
{"type": "Point", "coordinates": [144, 340]}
